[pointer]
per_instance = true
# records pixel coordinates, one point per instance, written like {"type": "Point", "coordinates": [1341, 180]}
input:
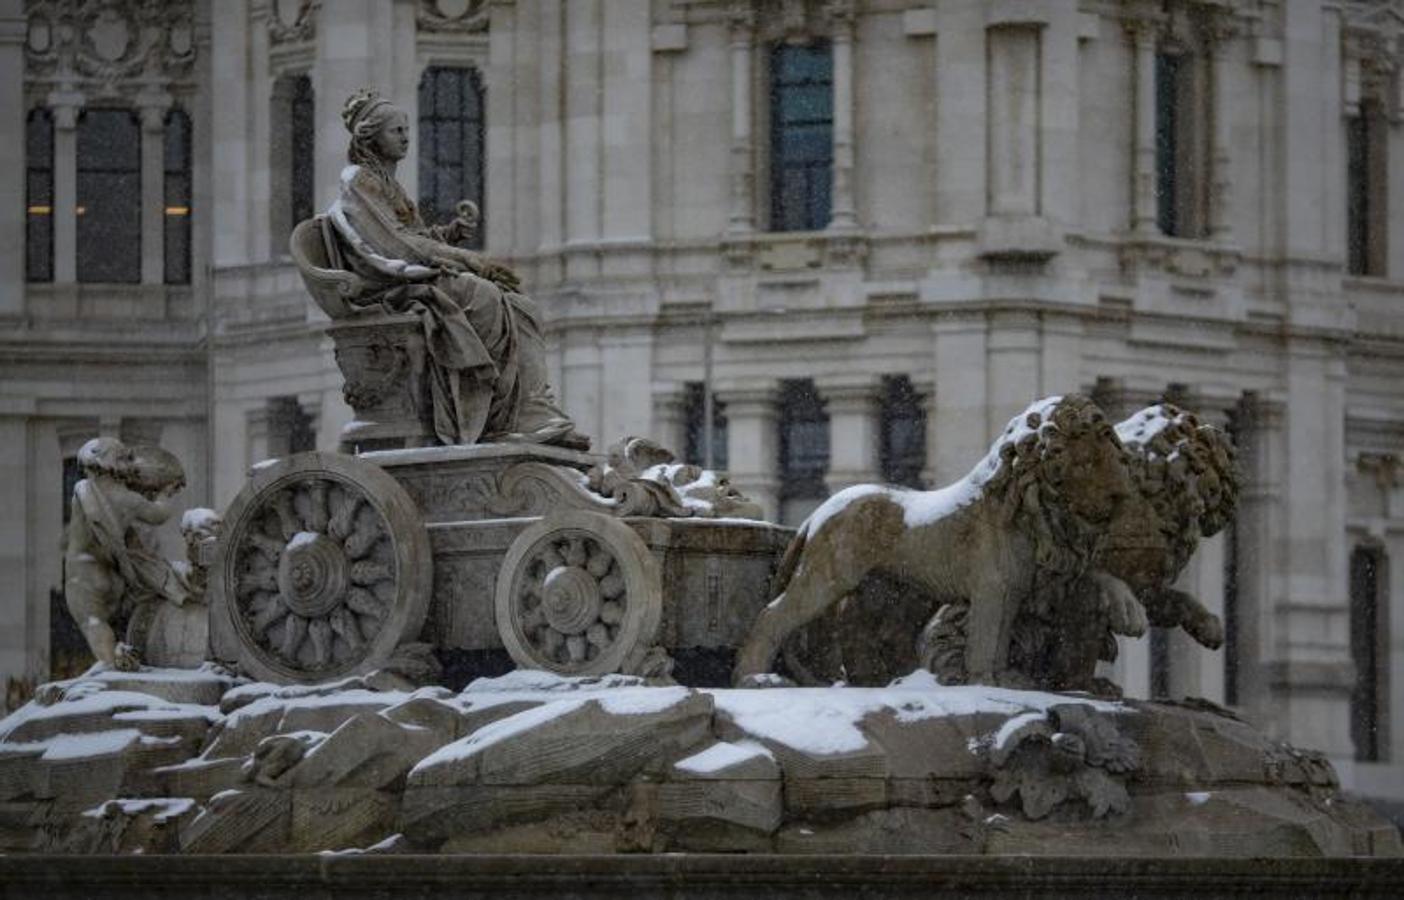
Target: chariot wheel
{"type": "Point", "coordinates": [322, 570]}
{"type": "Point", "coordinates": [579, 593]}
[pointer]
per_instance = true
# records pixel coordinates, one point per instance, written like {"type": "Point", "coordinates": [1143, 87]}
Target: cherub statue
{"type": "Point", "coordinates": [487, 372]}
{"type": "Point", "coordinates": [108, 558]}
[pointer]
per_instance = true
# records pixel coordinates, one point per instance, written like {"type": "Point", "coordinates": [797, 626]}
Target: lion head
{"type": "Point", "coordinates": [1059, 472]}
{"type": "Point", "coordinates": [1185, 470]}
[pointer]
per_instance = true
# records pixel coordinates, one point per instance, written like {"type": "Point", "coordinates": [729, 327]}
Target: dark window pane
{"type": "Point", "coordinates": [903, 442]}
{"type": "Point", "coordinates": [450, 143]}
{"type": "Point", "coordinates": [801, 137]}
{"type": "Point", "coordinates": [804, 441]}
{"type": "Point", "coordinates": [39, 197]}
{"type": "Point", "coordinates": [695, 438]}
{"type": "Point", "coordinates": [177, 196]}
{"type": "Point", "coordinates": [1167, 141]}
{"type": "Point", "coordinates": [109, 196]}
{"type": "Point", "coordinates": [1366, 635]}
{"type": "Point", "coordinates": [304, 131]}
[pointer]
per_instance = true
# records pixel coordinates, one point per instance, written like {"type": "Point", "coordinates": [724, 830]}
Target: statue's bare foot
{"type": "Point", "coordinates": [125, 658]}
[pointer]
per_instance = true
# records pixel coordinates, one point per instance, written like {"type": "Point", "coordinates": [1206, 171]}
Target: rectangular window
{"type": "Point", "coordinates": [177, 196]}
{"type": "Point", "coordinates": [1367, 637]}
{"type": "Point", "coordinates": [801, 136]}
{"type": "Point", "coordinates": [109, 196]}
{"type": "Point", "coordinates": [1167, 135]}
{"type": "Point", "coordinates": [451, 145]}
{"type": "Point", "coordinates": [1367, 171]}
{"type": "Point", "coordinates": [804, 441]}
{"type": "Point", "coordinates": [39, 196]}
{"type": "Point", "coordinates": [696, 418]}
{"type": "Point", "coordinates": [1181, 151]}
{"type": "Point", "coordinates": [903, 442]}
{"type": "Point", "coordinates": [290, 427]}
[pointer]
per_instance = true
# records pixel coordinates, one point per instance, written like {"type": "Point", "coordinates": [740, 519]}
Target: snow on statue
{"type": "Point", "coordinates": [1030, 516]}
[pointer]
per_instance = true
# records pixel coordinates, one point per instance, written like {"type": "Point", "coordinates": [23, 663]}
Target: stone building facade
{"type": "Point", "coordinates": [869, 230]}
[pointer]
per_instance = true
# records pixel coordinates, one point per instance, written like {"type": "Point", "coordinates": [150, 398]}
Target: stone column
{"type": "Point", "coordinates": [741, 18]}
{"type": "Point", "coordinates": [1144, 212]}
{"type": "Point", "coordinates": [752, 443]}
{"type": "Point", "coordinates": [15, 529]}
{"type": "Point", "coordinates": [1219, 30]}
{"type": "Point", "coordinates": [65, 106]}
{"type": "Point", "coordinates": [12, 162]}
{"type": "Point", "coordinates": [844, 214]}
{"type": "Point", "coordinates": [960, 415]}
{"type": "Point", "coordinates": [670, 418]}
{"type": "Point", "coordinates": [855, 423]}
{"type": "Point", "coordinates": [229, 139]}
{"type": "Point", "coordinates": [153, 194]}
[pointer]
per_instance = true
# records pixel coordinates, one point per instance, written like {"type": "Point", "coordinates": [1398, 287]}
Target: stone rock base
{"type": "Point", "coordinates": [197, 763]}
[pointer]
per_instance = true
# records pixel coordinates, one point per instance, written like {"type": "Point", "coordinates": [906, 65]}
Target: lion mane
{"type": "Point", "coordinates": [1029, 488]}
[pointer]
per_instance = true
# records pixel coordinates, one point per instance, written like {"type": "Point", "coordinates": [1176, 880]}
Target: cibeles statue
{"type": "Point", "coordinates": [111, 565]}
{"type": "Point", "coordinates": [460, 358]}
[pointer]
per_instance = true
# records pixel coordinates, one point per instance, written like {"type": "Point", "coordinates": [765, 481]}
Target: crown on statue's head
{"type": "Point", "coordinates": [359, 106]}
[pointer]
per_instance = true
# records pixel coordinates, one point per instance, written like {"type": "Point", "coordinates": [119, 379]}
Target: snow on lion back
{"type": "Point", "coordinates": [925, 507]}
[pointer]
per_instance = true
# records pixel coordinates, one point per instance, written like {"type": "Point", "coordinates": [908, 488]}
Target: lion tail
{"type": "Point", "coordinates": [789, 562]}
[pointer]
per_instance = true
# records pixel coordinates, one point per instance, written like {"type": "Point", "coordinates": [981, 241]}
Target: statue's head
{"type": "Point", "coordinates": [379, 129]}
{"type": "Point", "coordinates": [155, 472]}
{"type": "Point", "coordinates": [105, 456]}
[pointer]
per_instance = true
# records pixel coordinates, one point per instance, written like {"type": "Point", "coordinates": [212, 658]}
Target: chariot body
{"type": "Point", "coordinates": [394, 551]}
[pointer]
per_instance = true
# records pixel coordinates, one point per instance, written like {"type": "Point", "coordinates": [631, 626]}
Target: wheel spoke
{"type": "Point", "coordinates": [321, 635]}
{"type": "Point", "coordinates": [294, 632]}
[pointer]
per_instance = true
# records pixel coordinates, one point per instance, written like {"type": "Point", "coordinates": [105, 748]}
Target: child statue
{"type": "Point", "coordinates": [488, 372]}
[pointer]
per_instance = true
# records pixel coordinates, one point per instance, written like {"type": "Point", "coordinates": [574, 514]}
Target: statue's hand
{"type": "Point", "coordinates": [501, 275]}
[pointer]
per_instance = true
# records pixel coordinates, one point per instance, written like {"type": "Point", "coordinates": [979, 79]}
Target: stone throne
{"type": "Point", "coordinates": [382, 355]}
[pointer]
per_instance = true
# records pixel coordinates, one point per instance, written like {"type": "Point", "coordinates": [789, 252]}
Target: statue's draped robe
{"type": "Point", "coordinates": [145, 575]}
{"type": "Point", "coordinates": [487, 377]}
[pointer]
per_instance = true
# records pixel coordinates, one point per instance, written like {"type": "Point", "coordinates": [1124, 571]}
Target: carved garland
{"type": "Point", "coordinates": [103, 43]}
{"type": "Point", "coordinates": [463, 16]}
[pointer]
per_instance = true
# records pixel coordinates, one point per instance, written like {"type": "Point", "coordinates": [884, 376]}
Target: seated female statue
{"type": "Point", "coordinates": [488, 372]}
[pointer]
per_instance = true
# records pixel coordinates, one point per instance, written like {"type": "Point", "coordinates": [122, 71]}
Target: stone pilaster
{"type": "Point", "coordinates": [855, 422]}
{"type": "Point", "coordinates": [742, 217]}
{"type": "Point", "coordinates": [670, 418]}
{"type": "Point", "coordinates": [65, 106]}
{"type": "Point", "coordinates": [153, 197]}
{"type": "Point", "coordinates": [1144, 212]}
{"type": "Point", "coordinates": [844, 212]}
{"type": "Point", "coordinates": [1219, 30]}
{"type": "Point", "coordinates": [752, 443]}
{"type": "Point", "coordinates": [12, 161]}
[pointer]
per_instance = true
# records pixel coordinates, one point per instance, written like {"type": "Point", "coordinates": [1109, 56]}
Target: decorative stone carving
{"type": "Point", "coordinates": [645, 479]}
{"type": "Point", "coordinates": [110, 44]}
{"type": "Point", "coordinates": [110, 558]}
{"type": "Point", "coordinates": [1075, 756]}
{"type": "Point", "coordinates": [293, 21]}
{"type": "Point", "coordinates": [1029, 518]}
{"type": "Point", "coordinates": [455, 16]}
{"type": "Point", "coordinates": [477, 369]}
{"type": "Point", "coordinates": [323, 571]}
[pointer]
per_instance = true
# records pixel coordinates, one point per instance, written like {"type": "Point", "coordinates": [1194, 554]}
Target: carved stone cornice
{"type": "Point", "coordinates": [1385, 467]}
{"type": "Point", "coordinates": [107, 46]}
{"type": "Point", "coordinates": [435, 15]}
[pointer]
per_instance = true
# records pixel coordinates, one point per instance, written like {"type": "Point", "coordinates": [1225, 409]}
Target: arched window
{"type": "Point", "coordinates": [801, 136]}
{"type": "Point", "coordinates": [177, 193]}
{"type": "Point", "coordinates": [109, 196]}
{"type": "Point", "coordinates": [39, 196]}
{"type": "Point", "coordinates": [451, 144]}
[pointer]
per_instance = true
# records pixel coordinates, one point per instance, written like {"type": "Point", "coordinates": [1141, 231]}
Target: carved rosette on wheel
{"type": "Point", "coordinates": [579, 593]}
{"type": "Point", "coordinates": [323, 570]}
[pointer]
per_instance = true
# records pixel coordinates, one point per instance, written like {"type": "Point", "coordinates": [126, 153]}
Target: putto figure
{"type": "Point", "coordinates": [486, 367]}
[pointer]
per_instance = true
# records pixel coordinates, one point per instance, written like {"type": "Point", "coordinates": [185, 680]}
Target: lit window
{"type": "Point", "coordinates": [177, 195]}
{"type": "Point", "coordinates": [801, 136]}
{"type": "Point", "coordinates": [1367, 192]}
{"type": "Point", "coordinates": [39, 196]}
{"type": "Point", "coordinates": [109, 196]}
{"type": "Point", "coordinates": [450, 144]}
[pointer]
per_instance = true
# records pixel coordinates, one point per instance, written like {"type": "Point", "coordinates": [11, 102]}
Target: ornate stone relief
{"type": "Point", "coordinates": [107, 42]}
{"type": "Point", "coordinates": [293, 21]}
{"type": "Point", "coordinates": [1372, 45]}
{"type": "Point", "coordinates": [453, 15]}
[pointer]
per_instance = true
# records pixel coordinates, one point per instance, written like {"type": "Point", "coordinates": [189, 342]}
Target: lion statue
{"type": "Point", "coordinates": [1033, 512]}
{"type": "Point", "coordinates": [1186, 487]}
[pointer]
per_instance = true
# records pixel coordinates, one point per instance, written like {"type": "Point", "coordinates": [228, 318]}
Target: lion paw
{"type": "Point", "coordinates": [1207, 629]}
{"type": "Point", "coordinates": [125, 658]}
{"type": "Point", "coordinates": [1125, 615]}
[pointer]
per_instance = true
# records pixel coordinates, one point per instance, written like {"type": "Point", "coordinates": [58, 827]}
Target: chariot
{"type": "Point", "coordinates": [335, 564]}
